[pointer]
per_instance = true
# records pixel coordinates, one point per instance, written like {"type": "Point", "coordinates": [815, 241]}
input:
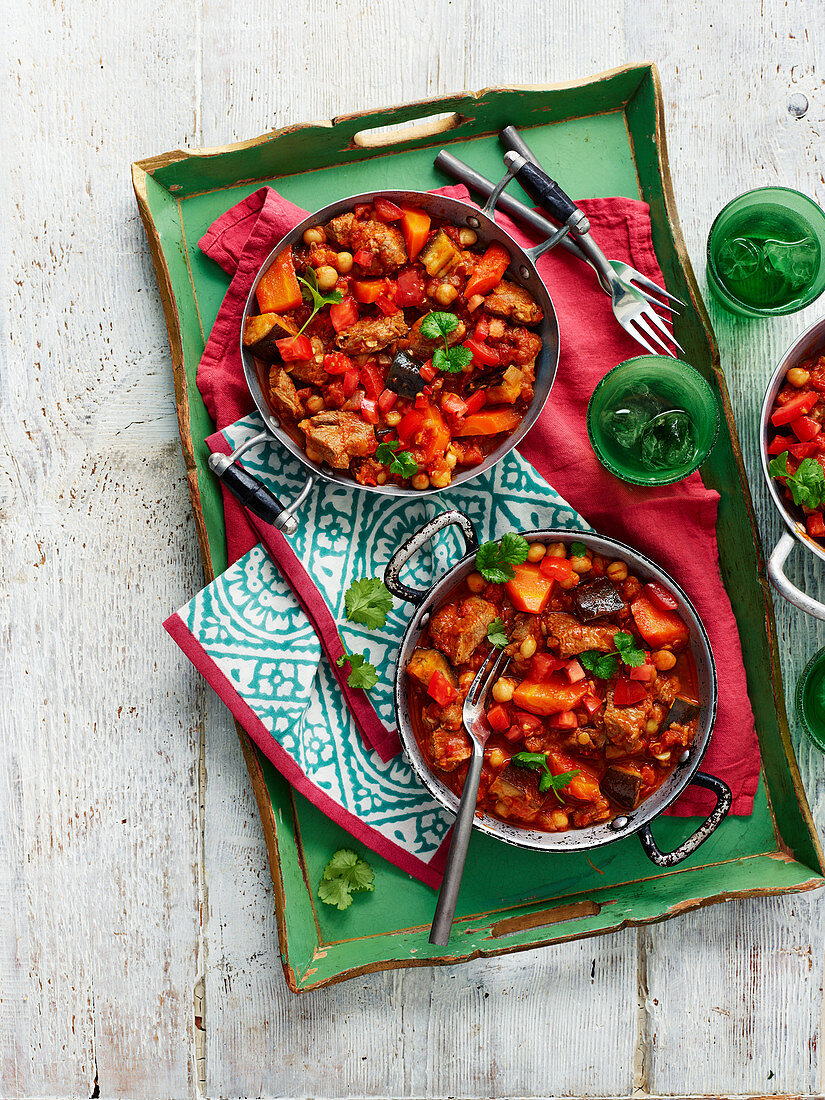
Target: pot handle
{"type": "Point", "coordinates": [786, 587]}
{"type": "Point", "coordinates": [423, 535]}
{"type": "Point", "coordinates": [724, 799]}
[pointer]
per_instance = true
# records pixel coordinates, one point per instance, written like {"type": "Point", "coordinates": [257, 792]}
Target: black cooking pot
{"type": "Point", "coordinates": [594, 836]}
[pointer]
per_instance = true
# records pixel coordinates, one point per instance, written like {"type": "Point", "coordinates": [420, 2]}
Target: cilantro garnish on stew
{"type": "Point", "coordinates": [399, 462]}
{"type": "Point", "coordinates": [439, 325]}
{"type": "Point", "coordinates": [367, 602]}
{"type": "Point", "coordinates": [807, 485]}
{"type": "Point", "coordinates": [628, 650]}
{"type": "Point", "coordinates": [577, 550]}
{"type": "Point", "coordinates": [311, 293]}
{"type": "Point", "coordinates": [602, 665]}
{"type": "Point", "coordinates": [537, 762]}
{"type": "Point", "coordinates": [497, 634]}
{"type": "Point", "coordinates": [345, 874]}
{"type": "Point", "coordinates": [495, 560]}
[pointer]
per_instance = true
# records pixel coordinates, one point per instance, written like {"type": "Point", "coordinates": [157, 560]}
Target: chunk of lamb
{"type": "Point", "coordinates": [422, 348]}
{"type": "Point", "coordinates": [385, 242]}
{"type": "Point", "coordinates": [449, 748]}
{"type": "Point", "coordinates": [515, 303]}
{"type": "Point", "coordinates": [573, 638]}
{"type": "Point", "coordinates": [283, 393]}
{"type": "Point", "coordinates": [459, 628]}
{"type": "Point", "coordinates": [338, 437]}
{"type": "Point", "coordinates": [371, 334]}
{"type": "Point", "coordinates": [624, 725]}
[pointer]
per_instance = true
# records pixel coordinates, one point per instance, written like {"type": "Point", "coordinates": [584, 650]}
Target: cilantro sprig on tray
{"type": "Point", "coordinates": [345, 874]}
{"type": "Point", "coordinates": [807, 485]}
{"type": "Point", "coordinates": [495, 560]}
{"type": "Point", "coordinates": [439, 326]}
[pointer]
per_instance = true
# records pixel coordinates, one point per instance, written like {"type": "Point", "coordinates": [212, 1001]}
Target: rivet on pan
{"type": "Point", "coordinates": [424, 620]}
{"type": "Point", "coordinates": [683, 759]}
{"type": "Point", "coordinates": [524, 272]}
{"type": "Point", "coordinates": [474, 222]}
{"type": "Point", "coordinates": [619, 823]}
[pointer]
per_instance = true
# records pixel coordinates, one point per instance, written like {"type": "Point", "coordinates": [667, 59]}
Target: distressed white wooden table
{"type": "Point", "coordinates": [138, 949]}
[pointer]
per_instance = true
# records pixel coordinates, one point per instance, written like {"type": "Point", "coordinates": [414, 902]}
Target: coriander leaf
{"type": "Point", "coordinates": [401, 463]}
{"type": "Point", "coordinates": [628, 650]}
{"type": "Point", "coordinates": [807, 485]}
{"type": "Point", "coordinates": [455, 359]}
{"type": "Point", "coordinates": [534, 760]}
{"type": "Point", "coordinates": [436, 324]}
{"type": "Point", "coordinates": [362, 673]}
{"type": "Point", "coordinates": [491, 565]}
{"type": "Point", "coordinates": [367, 602]}
{"type": "Point", "coordinates": [311, 293]}
{"type": "Point", "coordinates": [514, 548]}
{"type": "Point", "coordinates": [335, 891]}
{"type": "Point", "coordinates": [555, 783]}
{"type": "Point", "coordinates": [385, 450]}
{"type": "Point", "coordinates": [347, 865]}
{"type": "Point", "coordinates": [497, 634]}
{"type": "Point", "coordinates": [442, 361]}
{"type": "Point", "coordinates": [577, 550]}
{"type": "Point", "coordinates": [778, 466]}
{"type": "Point", "coordinates": [602, 665]}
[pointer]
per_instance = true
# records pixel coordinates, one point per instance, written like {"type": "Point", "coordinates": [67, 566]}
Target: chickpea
{"type": "Point", "coordinates": [497, 758]}
{"type": "Point", "coordinates": [314, 404]}
{"type": "Point", "coordinates": [445, 293]}
{"type": "Point", "coordinates": [381, 477]}
{"type": "Point", "coordinates": [327, 277]}
{"type": "Point", "coordinates": [580, 565]}
{"type": "Point", "coordinates": [557, 550]}
{"type": "Point", "coordinates": [392, 418]}
{"type": "Point", "coordinates": [663, 660]}
{"type": "Point", "coordinates": [798, 377]}
{"type": "Point", "coordinates": [466, 237]}
{"type": "Point", "coordinates": [465, 680]}
{"type": "Point", "coordinates": [451, 458]}
{"type": "Point", "coordinates": [312, 454]}
{"type": "Point", "coordinates": [528, 647]}
{"type": "Point", "coordinates": [632, 589]}
{"type": "Point", "coordinates": [583, 737]}
{"type": "Point", "coordinates": [440, 479]}
{"type": "Point", "coordinates": [343, 261]}
{"type": "Point", "coordinates": [503, 690]}
{"type": "Point", "coordinates": [420, 481]}
{"type": "Point", "coordinates": [315, 235]}
{"type": "Point", "coordinates": [617, 571]}
{"type": "Point", "coordinates": [476, 583]}
{"type": "Point", "coordinates": [559, 821]}
{"type": "Point", "coordinates": [536, 551]}
{"type": "Point", "coordinates": [651, 726]}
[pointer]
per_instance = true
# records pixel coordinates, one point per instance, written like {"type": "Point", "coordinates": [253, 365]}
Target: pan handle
{"type": "Point", "coordinates": [252, 493]}
{"type": "Point", "coordinates": [724, 799]}
{"type": "Point", "coordinates": [423, 535]}
{"type": "Point", "coordinates": [787, 588]}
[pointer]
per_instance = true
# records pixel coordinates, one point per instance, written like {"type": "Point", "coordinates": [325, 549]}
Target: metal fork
{"type": "Point", "coordinates": [632, 311]}
{"type": "Point", "coordinates": [478, 729]}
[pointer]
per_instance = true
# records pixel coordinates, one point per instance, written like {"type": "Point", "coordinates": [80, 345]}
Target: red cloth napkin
{"type": "Point", "coordinates": [675, 525]}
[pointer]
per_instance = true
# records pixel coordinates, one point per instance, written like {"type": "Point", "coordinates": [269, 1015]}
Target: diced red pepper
{"type": "Point", "coordinates": [527, 723]}
{"type": "Point", "coordinates": [628, 692]}
{"type": "Point", "coordinates": [350, 383]}
{"type": "Point", "coordinates": [643, 673]}
{"type": "Point", "coordinates": [369, 410]}
{"type": "Point", "coordinates": [574, 671]}
{"type": "Point", "coordinates": [591, 704]}
{"type": "Point", "coordinates": [803, 450]}
{"type": "Point", "coordinates": [488, 271]}
{"type": "Point", "coordinates": [453, 405]}
{"type": "Point", "coordinates": [387, 305]}
{"type": "Point", "coordinates": [498, 717]}
{"type": "Point", "coordinates": [542, 666]}
{"type": "Point", "coordinates": [387, 399]}
{"type": "Point", "coordinates": [343, 314]}
{"type": "Point", "coordinates": [659, 595]}
{"type": "Point", "coordinates": [797, 406]}
{"type": "Point", "coordinates": [363, 258]}
{"type": "Point", "coordinates": [805, 428]}
{"type": "Point", "coordinates": [294, 349]}
{"type": "Point", "coordinates": [559, 569]}
{"type": "Point", "coordinates": [475, 402]}
{"type": "Point", "coordinates": [779, 443]}
{"type": "Point", "coordinates": [815, 525]}
{"type": "Point", "coordinates": [440, 689]}
{"type": "Point", "coordinates": [427, 371]}
{"type": "Point", "coordinates": [372, 379]}
{"type": "Point", "coordinates": [337, 363]}
{"type": "Point", "coordinates": [387, 211]}
{"type": "Point", "coordinates": [409, 288]}
{"type": "Point", "coordinates": [482, 355]}
{"type": "Point", "coordinates": [482, 329]}
{"type": "Point", "coordinates": [564, 720]}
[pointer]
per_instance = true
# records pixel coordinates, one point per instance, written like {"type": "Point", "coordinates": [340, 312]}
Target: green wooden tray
{"type": "Point", "coordinates": [604, 136]}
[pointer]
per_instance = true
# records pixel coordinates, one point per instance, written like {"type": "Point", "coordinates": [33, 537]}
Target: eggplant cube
{"type": "Point", "coordinates": [622, 786]}
{"type": "Point", "coordinates": [596, 599]}
{"type": "Point", "coordinates": [404, 377]}
{"type": "Point", "coordinates": [681, 711]}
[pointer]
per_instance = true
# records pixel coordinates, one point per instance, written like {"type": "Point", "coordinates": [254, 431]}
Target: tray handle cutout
{"type": "Point", "coordinates": [378, 137]}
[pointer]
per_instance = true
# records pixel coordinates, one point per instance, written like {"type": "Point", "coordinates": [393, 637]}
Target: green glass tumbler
{"type": "Point", "coordinates": [810, 699]}
{"type": "Point", "coordinates": [652, 420]}
{"type": "Point", "coordinates": [766, 253]}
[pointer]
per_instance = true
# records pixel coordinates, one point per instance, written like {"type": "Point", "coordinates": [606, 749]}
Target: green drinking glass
{"type": "Point", "coordinates": [766, 253]}
{"type": "Point", "coordinates": [652, 420]}
{"type": "Point", "coordinates": [810, 699]}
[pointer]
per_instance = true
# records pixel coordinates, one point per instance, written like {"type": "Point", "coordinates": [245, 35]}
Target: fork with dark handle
{"type": "Point", "coordinates": [511, 139]}
{"type": "Point", "coordinates": [475, 723]}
